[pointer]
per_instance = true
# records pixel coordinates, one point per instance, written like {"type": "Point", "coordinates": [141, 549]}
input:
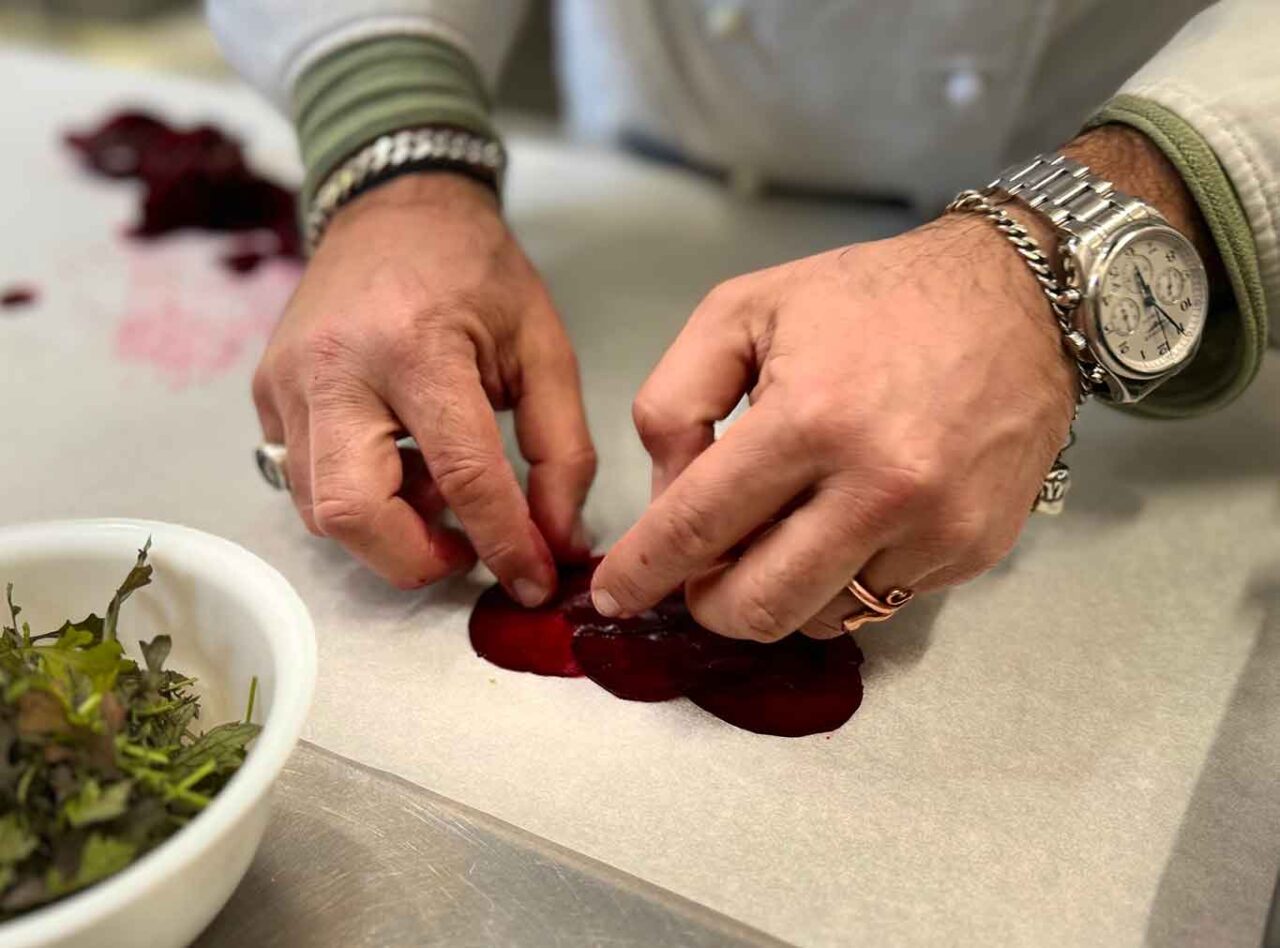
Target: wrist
{"type": "Point", "coordinates": [1136, 165]}
{"type": "Point", "coordinates": [425, 194]}
{"type": "Point", "coordinates": [998, 273]}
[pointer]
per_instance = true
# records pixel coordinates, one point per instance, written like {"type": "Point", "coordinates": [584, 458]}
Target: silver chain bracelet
{"type": "Point", "coordinates": [1062, 300]}
{"type": "Point", "coordinates": [429, 147]}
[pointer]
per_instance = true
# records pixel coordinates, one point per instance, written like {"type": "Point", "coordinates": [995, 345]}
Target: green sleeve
{"type": "Point", "coordinates": [1236, 330]}
{"type": "Point", "coordinates": [360, 92]}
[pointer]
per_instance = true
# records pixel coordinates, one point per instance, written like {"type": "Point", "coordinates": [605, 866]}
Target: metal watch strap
{"type": "Point", "coordinates": [1072, 197]}
{"type": "Point", "coordinates": [429, 147]}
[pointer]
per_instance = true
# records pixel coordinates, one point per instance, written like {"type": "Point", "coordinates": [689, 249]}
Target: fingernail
{"type": "Point", "coordinates": [528, 593]}
{"type": "Point", "coordinates": [605, 604]}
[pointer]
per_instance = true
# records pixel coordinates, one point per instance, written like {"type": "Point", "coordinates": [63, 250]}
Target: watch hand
{"type": "Point", "coordinates": [1147, 295]}
{"type": "Point", "coordinates": [1149, 298]}
{"type": "Point", "coordinates": [1164, 332]}
{"type": "Point", "coordinates": [1172, 321]}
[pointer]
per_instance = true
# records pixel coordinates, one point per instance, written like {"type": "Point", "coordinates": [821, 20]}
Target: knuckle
{"type": "Point", "coordinates": [820, 419]}
{"type": "Point", "coordinates": [960, 535]}
{"type": "Point", "coordinates": [262, 387]}
{"type": "Point", "coordinates": [723, 296]}
{"type": "Point", "coordinates": [688, 530]}
{"type": "Point", "coordinates": [500, 553]}
{"type": "Point", "coordinates": [909, 483]}
{"type": "Point", "coordinates": [624, 588]}
{"type": "Point", "coordinates": [341, 515]}
{"type": "Point", "coordinates": [756, 616]}
{"type": "Point", "coordinates": [329, 351]}
{"type": "Point", "coordinates": [653, 418]}
{"type": "Point", "coordinates": [584, 461]}
{"type": "Point", "coordinates": [465, 478]}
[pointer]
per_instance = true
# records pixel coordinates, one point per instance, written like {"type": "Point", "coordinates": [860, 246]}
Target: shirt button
{"type": "Point", "coordinates": [964, 86]}
{"type": "Point", "coordinates": [726, 19]}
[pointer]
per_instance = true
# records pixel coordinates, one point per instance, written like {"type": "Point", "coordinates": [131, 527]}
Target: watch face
{"type": "Point", "coordinates": [1151, 300]}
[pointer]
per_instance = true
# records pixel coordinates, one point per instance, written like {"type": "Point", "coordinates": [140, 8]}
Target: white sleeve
{"type": "Point", "coordinates": [271, 42]}
{"type": "Point", "coordinates": [1221, 75]}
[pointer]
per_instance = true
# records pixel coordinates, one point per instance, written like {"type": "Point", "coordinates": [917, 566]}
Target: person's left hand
{"type": "Point", "coordinates": [907, 398]}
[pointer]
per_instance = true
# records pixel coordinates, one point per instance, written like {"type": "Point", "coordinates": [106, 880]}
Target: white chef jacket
{"type": "Point", "coordinates": [899, 97]}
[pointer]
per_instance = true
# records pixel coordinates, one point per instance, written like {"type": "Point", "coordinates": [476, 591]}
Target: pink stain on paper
{"type": "Point", "coordinates": [191, 314]}
{"type": "Point", "coordinates": [190, 322]}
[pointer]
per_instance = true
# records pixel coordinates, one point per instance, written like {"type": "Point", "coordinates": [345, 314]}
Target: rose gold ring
{"type": "Point", "coordinates": [872, 608]}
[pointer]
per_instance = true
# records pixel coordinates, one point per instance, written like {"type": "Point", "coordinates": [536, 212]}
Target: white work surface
{"type": "Point", "coordinates": [1079, 749]}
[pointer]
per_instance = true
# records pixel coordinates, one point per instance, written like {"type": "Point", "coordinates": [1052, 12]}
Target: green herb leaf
{"type": "Point", "coordinates": [102, 856]}
{"type": "Point", "coordinates": [95, 805]}
{"type": "Point", "coordinates": [224, 745]}
{"type": "Point", "coordinates": [98, 760]}
{"type": "Point", "coordinates": [16, 841]}
{"type": "Point", "coordinates": [138, 577]}
{"type": "Point", "coordinates": [156, 652]}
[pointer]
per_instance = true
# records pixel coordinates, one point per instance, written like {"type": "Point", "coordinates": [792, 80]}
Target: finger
{"type": "Point", "coordinates": [284, 419]}
{"type": "Point", "coordinates": [893, 568]}
{"type": "Point", "coordinates": [265, 403]}
{"type": "Point", "coordinates": [731, 489]}
{"type": "Point", "coordinates": [417, 487]}
{"type": "Point", "coordinates": [297, 461]}
{"type": "Point", "coordinates": [356, 483]}
{"type": "Point", "coordinates": [698, 381]}
{"type": "Point", "coordinates": [551, 427]}
{"type": "Point", "coordinates": [445, 409]}
{"type": "Point", "coordinates": [788, 574]}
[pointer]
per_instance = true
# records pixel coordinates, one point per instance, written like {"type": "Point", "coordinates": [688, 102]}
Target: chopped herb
{"type": "Point", "coordinates": [99, 759]}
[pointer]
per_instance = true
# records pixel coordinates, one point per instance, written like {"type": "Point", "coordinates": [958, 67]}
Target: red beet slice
{"type": "Point", "coordinates": [532, 640]}
{"type": "Point", "coordinates": [795, 687]}
{"type": "Point", "coordinates": [791, 688]}
{"type": "Point", "coordinates": [650, 657]}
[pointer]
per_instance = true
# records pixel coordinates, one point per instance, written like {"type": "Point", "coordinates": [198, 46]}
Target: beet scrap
{"type": "Point", "coordinates": [195, 178]}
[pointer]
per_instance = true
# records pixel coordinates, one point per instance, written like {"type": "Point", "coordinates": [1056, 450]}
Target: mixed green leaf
{"type": "Point", "coordinates": [99, 759]}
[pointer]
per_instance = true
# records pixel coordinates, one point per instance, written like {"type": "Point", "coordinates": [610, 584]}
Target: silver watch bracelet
{"type": "Point", "coordinates": [424, 148]}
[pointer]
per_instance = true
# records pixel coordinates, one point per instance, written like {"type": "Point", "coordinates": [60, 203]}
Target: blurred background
{"type": "Point", "coordinates": [171, 35]}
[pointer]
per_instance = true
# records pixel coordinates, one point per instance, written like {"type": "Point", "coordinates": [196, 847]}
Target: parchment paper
{"type": "Point", "coordinates": [1080, 748]}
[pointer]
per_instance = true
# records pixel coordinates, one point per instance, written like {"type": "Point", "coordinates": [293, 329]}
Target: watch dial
{"type": "Point", "coordinates": [1152, 300]}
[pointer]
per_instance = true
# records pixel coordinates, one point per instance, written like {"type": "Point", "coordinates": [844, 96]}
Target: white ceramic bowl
{"type": "Point", "coordinates": [231, 617]}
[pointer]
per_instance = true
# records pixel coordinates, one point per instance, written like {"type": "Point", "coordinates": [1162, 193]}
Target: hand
{"type": "Point", "coordinates": [420, 314]}
{"type": "Point", "coordinates": [907, 398]}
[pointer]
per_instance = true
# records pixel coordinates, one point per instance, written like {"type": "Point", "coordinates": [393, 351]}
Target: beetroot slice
{"type": "Point", "coordinates": [531, 640]}
{"type": "Point", "coordinates": [792, 688]}
{"type": "Point", "coordinates": [650, 657]}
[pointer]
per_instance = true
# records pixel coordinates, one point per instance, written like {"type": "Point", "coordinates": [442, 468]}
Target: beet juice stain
{"type": "Point", "coordinates": [194, 179]}
{"type": "Point", "coordinates": [18, 297]}
{"type": "Point", "coordinates": [792, 688]}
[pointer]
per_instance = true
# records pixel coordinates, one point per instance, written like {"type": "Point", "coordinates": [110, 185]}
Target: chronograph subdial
{"type": "Point", "coordinates": [1126, 316]}
{"type": "Point", "coordinates": [1169, 285]}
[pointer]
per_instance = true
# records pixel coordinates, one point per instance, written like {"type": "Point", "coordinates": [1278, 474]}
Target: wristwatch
{"type": "Point", "coordinates": [1135, 291]}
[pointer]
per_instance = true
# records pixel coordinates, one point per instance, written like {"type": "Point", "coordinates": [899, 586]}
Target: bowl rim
{"type": "Point", "coordinates": [292, 645]}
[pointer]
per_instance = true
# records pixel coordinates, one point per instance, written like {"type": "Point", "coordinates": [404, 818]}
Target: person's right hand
{"type": "Point", "coordinates": [419, 313]}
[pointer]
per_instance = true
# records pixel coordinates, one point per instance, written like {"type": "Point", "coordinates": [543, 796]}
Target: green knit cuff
{"type": "Point", "coordinates": [1236, 331]}
{"type": "Point", "coordinates": [360, 92]}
